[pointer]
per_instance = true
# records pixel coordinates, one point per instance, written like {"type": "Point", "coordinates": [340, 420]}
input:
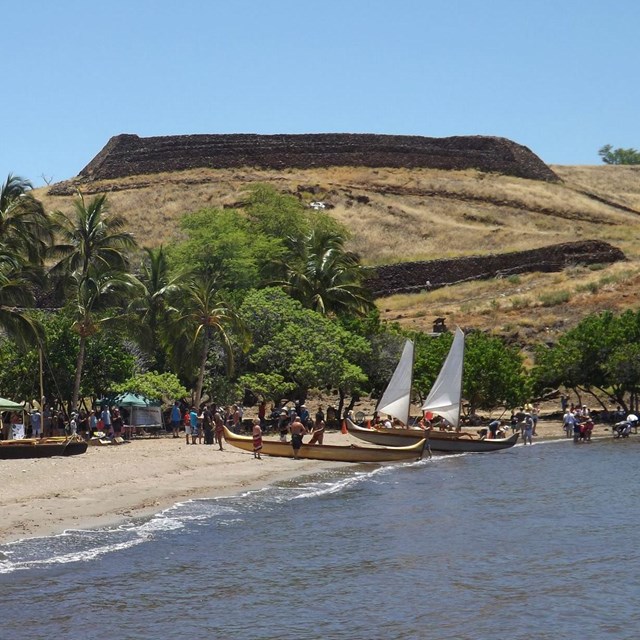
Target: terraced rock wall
{"type": "Point", "coordinates": [410, 277]}
{"type": "Point", "coordinates": [126, 155]}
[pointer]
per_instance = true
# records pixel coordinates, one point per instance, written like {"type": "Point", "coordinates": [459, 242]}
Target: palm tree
{"type": "Point", "coordinates": [15, 297]}
{"type": "Point", "coordinates": [324, 276]}
{"type": "Point", "coordinates": [151, 305]}
{"type": "Point", "coordinates": [94, 293]}
{"type": "Point", "coordinates": [90, 236]}
{"type": "Point", "coordinates": [25, 228]}
{"type": "Point", "coordinates": [92, 267]}
{"type": "Point", "coordinates": [199, 315]}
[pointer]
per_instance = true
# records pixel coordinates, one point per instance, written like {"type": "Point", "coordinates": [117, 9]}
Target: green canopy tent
{"type": "Point", "coordinates": [9, 405]}
{"type": "Point", "coordinates": [143, 412]}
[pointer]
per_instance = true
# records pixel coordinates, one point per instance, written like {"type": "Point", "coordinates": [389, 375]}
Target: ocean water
{"type": "Point", "coordinates": [536, 542]}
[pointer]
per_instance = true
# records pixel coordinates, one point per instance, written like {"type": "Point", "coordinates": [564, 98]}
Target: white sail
{"type": "Point", "coordinates": [396, 398]}
{"type": "Point", "coordinates": [446, 394]}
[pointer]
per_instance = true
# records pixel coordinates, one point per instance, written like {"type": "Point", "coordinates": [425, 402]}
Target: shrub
{"type": "Point", "coordinates": [553, 298]}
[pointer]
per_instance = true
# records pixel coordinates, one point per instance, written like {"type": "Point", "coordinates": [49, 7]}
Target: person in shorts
{"type": "Point", "coordinates": [175, 419]}
{"type": "Point", "coordinates": [187, 425]}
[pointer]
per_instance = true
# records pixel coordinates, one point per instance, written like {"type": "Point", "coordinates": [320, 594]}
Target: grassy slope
{"type": "Point", "coordinates": [398, 214]}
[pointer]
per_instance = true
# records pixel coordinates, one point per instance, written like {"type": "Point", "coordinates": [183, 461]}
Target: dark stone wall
{"type": "Point", "coordinates": [410, 277]}
{"type": "Point", "coordinates": [126, 155]}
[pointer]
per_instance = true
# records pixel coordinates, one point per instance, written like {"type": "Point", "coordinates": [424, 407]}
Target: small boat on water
{"type": "Point", "coordinates": [330, 452]}
{"type": "Point", "coordinates": [41, 448]}
{"type": "Point", "coordinates": [444, 400]}
{"type": "Point", "coordinates": [438, 441]}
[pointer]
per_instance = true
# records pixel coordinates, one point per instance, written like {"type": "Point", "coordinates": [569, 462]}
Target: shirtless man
{"type": "Point", "coordinates": [317, 433]}
{"type": "Point", "coordinates": [297, 430]}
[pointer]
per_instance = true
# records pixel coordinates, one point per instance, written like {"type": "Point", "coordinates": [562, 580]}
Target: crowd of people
{"type": "Point", "coordinates": [51, 422]}
{"type": "Point", "coordinates": [205, 425]}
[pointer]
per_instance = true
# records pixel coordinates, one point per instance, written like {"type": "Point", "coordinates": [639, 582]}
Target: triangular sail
{"type": "Point", "coordinates": [446, 394]}
{"type": "Point", "coordinates": [396, 398]}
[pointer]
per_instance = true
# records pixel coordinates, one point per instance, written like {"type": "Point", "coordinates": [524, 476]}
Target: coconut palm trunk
{"type": "Point", "coordinates": [203, 364]}
{"type": "Point", "coordinates": [79, 366]}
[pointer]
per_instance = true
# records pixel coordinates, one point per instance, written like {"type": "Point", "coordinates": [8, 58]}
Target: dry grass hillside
{"type": "Point", "coordinates": [421, 214]}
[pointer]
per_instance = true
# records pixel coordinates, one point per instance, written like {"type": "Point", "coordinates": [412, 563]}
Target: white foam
{"type": "Point", "coordinates": [77, 556]}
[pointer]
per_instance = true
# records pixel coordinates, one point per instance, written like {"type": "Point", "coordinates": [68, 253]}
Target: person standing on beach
{"type": "Point", "coordinates": [117, 423]}
{"type": "Point", "coordinates": [262, 414]}
{"type": "Point", "coordinates": [106, 419]}
{"type": "Point", "coordinates": [297, 430]}
{"type": "Point", "coordinates": [93, 423]}
{"type": "Point", "coordinates": [207, 425]}
{"type": "Point", "coordinates": [237, 419]}
{"type": "Point", "coordinates": [36, 423]}
{"type": "Point", "coordinates": [257, 438]}
{"type": "Point", "coordinates": [527, 429]}
{"type": "Point", "coordinates": [193, 422]}
{"type": "Point", "coordinates": [219, 428]}
{"type": "Point", "coordinates": [186, 419]}
{"type": "Point", "coordinates": [535, 413]}
{"type": "Point", "coordinates": [175, 419]}
{"type": "Point", "coordinates": [317, 434]}
{"type": "Point", "coordinates": [568, 422]}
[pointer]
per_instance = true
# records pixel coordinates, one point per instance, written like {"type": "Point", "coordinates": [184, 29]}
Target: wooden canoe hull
{"type": "Point", "coordinates": [329, 452]}
{"type": "Point", "coordinates": [45, 448]}
{"type": "Point", "coordinates": [439, 441]}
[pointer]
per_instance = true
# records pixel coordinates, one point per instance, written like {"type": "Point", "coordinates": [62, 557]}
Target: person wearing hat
{"type": "Point", "coordinates": [73, 424]}
{"type": "Point", "coordinates": [283, 424]}
{"type": "Point", "coordinates": [36, 423]}
{"type": "Point", "coordinates": [304, 413]}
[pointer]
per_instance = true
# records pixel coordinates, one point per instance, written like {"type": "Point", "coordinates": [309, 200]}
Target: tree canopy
{"type": "Point", "coordinates": [610, 155]}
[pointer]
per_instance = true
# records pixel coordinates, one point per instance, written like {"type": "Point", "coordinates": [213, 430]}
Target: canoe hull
{"type": "Point", "coordinates": [46, 448]}
{"type": "Point", "coordinates": [334, 453]}
{"type": "Point", "coordinates": [439, 441]}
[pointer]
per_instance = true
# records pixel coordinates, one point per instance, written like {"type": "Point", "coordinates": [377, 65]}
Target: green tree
{"type": "Point", "coordinates": [199, 314]}
{"type": "Point", "coordinates": [596, 357]}
{"type": "Point", "coordinates": [610, 155]}
{"type": "Point", "coordinates": [108, 361]}
{"type": "Point", "coordinates": [94, 294]}
{"type": "Point", "coordinates": [25, 229]}
{"type": "Point", "coordinates": [324, 276]}
{"type": "Point", "coordinates": [493, 373]}
{"type": "Point", "coordinates": [92, 268]}
{"type": "Point", "coordinates": [300, 346]}
{"type": "Point", "coordinates": [15, 296]}
{"type": "Point", "coordinates": [90, 237]}
{"type": "Point", "coordinates": [150, 307]}
{"type": "Point", "coordinates": [162, 387]}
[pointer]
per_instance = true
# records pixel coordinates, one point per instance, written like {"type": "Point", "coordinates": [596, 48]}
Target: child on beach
{"type": "Point", "coordinates": [257, 438]}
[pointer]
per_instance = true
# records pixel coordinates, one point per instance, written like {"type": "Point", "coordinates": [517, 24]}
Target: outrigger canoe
{"type": "Point", "coordinates": [331, 452]}
{"type": "Point", "coordinates": [438, 441]}
{"type": "Point", "coordinates": [41, 448]}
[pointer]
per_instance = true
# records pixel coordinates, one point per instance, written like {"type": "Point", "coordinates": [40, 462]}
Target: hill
{"type": "Point", "coordinates": [399, 214]}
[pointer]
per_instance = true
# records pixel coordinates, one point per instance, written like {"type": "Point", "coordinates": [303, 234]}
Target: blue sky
{"type": "Point", "coordinates": [559, 76]}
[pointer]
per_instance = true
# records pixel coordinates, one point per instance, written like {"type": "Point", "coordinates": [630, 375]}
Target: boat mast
{"type": "Point", "coordinates": [461, 377]}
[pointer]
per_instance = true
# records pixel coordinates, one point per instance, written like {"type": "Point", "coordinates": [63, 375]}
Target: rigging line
{"type": "Point", "coordinates": [58, 396]}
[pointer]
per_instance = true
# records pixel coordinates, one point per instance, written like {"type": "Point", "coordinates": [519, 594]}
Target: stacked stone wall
{"type": "Point", "coordinates": [410, 277]}
{"type": "Point", "coordinates": [127, 155]}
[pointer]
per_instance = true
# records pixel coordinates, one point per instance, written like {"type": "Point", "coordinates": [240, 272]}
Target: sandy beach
{"type": "Point", "coordinates": [108, 485]}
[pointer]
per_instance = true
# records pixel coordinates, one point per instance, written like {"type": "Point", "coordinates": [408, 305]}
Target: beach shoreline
{"type": "Point", "coordinates": [110, 485]}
